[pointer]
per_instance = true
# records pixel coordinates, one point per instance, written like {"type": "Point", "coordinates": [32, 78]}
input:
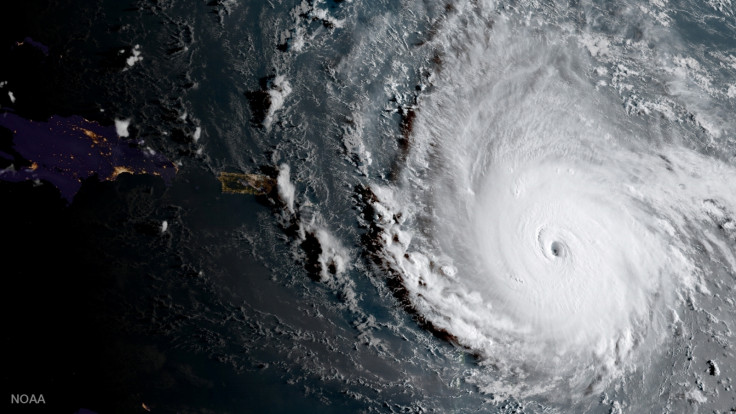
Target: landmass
{"type": "Point", "coordinates": [64, 151]}
{"type": "Point", "coordinates": [237, 183]}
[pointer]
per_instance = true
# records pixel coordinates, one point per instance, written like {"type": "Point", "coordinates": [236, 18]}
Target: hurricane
{"type": "Point", "coordinates": [541, 223]}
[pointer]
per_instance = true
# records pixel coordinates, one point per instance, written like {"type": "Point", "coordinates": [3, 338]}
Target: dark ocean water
{"type": "Point", "coordinates": [388, 269]}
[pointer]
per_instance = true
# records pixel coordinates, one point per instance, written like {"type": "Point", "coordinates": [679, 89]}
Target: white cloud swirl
{"type": "Point", "coordinates": [540, 225]}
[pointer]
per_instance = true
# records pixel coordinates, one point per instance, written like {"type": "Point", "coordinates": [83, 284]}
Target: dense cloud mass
{"type": "Point", "coordinates": [544, 227]}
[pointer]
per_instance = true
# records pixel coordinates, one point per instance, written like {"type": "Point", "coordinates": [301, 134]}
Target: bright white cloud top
{"type": "Point", "coordinates": [537, 222]}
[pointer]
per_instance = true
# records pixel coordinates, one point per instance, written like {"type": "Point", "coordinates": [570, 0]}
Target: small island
{"type": "Point", "coordinates": [254, 184]}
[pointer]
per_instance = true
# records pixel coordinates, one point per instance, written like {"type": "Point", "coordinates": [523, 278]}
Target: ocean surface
{"type": "Point", "coordinates": [457, 206]}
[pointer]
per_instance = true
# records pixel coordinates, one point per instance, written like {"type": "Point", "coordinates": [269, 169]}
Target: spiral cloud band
{"type": "Point", "coordinates": [538, 223]}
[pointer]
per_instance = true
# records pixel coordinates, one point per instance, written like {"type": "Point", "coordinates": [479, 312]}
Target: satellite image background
{"type": "Point", "coordinates": [368, 206]}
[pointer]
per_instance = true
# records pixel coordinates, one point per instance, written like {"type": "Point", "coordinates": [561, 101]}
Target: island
{"type": "Point", "coordinates": [65, 151]}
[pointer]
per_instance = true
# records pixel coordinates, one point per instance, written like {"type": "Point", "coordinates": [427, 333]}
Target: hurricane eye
{"type": "Point", "coordinates": [557, 249]}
